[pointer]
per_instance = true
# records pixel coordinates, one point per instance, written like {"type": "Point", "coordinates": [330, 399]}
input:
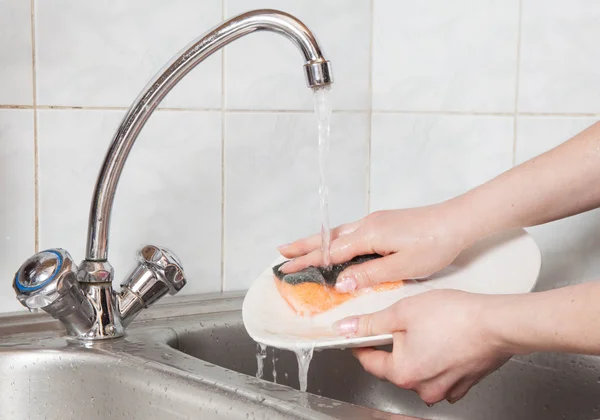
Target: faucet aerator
{"type": "Point", "coordinates": [318, 74]}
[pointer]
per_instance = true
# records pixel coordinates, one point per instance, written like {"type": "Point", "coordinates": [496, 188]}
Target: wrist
{"type": "Point", "coordinates": [479, 214]}
{"type": "Point", "coordinates": [501, 319]}
{"type": "Point", "coordinates": [463, 223]}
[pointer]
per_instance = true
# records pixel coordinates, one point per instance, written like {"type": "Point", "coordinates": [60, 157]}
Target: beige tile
{"type": "Point", "coordinates": [16, 76]}
{"type": "Point", "coordinates": [169, 194]}
{"type": "Point", "coordinates": [422, 159]}
{"type": "Point", "coordinates": [272, 183]}
{"type": "Point", "coordinates": [560, 65]}
{"type": "Point", "coordinates": [435, 55]}
{"type": "Point", "coordinates": [264, 71]}
{"type": "Point", "coordinates": [103, 54]}
{"type": "Point", "coordinates": [17, 217]}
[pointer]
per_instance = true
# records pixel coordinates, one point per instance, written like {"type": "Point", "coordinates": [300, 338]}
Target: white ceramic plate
{"type": "Point", "coordinates": [503, 264]}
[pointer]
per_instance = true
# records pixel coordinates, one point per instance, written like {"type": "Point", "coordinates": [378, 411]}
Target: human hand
{"type": "Point", "coordinates": [443, 344]}
{"type": "Point", "coordinates": [415, 243]}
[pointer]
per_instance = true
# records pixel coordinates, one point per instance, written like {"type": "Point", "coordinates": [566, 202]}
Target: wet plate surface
{"type": "Point", "coordinates": [502, 264]}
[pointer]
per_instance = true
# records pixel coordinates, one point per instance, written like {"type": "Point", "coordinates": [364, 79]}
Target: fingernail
{"type": "Point", "coordinates": [346, 285]}
{"type": "Point", "coordinates": [286, 264]}
{"type": "Point", "coordinates": [280, 247]}
{"type": "Point", "coordinates": [346, 326]}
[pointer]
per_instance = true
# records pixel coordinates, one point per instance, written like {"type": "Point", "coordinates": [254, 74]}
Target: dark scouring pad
{"type": "Point", "coordinates": [320, 275]}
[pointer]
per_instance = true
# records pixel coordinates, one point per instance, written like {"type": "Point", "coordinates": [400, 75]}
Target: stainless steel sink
{"type": "Point", "coordinates": [570, 389]}
{"type": "Point", "coordinates": [59, 383]}
{"type": "Point", "coordinates": [191, 358]}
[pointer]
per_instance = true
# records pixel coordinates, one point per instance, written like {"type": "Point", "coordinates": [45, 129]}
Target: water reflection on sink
{"type": "Point", "coordinates": [48, 384]}
{"type": "Point", "coordinates": [519, 390]}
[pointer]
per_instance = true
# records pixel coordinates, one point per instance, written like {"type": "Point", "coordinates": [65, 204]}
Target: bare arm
{"type": "Point", "coordinates": [561, 320]}
{"type": "Point", "coordinates": [559, 183]}
{"type": "Point", "coordinates": [418, 242]}
{"type": "Point", "coordinates": [445, 341]}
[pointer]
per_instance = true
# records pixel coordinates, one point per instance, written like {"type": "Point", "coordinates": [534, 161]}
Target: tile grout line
{"type": "Point", "coordinates": [16, 106]}
{"type": "Point", "coordinates": [446, 113]}
{"type": "Point", "coordinates": [307, 111]}
{"type": "Point", "coordinates": [36, 189]}
{"type": "Point", "coordinates": [518, 71]}
{"type": "Point", "coordinates": [370, 116]}
{"type": "Point", "coordinates": [223, 157]}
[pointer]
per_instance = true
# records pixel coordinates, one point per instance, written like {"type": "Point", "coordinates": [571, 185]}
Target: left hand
{"type": "Point", "coordinates": [442, 343]}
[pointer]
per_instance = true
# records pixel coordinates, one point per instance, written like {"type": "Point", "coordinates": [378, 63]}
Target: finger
{"type": "Point", "coordinates": [387, 321]}
{"type": "Point", "coordinates": [377, 362]}
{"type": "Point", "coordinates": [465, 384]}
{"type": "Point", "coordinates": [370, 273]}
{"type": "Point", "coordinates": [314, 259]}
{"type": "Point", "coordinates": [459, 390]}
{"type": "Point", "coordinates": [304, 246]}
{"type": "Point", "coordinates": [300, 247]}
{"type": "Point", "coordinates": [437, 388]}
{"type": "Point", "coordinates": [342, 249]}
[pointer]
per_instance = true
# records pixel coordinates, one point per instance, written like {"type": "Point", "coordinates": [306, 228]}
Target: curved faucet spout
{"type": "Point", "coordinates": [317, 73]}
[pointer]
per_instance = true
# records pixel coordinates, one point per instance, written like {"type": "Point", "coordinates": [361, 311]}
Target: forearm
{"type": "Point", "coordinates": [561, 320]}
{"type": "Point", "coordinates": [559, 183]}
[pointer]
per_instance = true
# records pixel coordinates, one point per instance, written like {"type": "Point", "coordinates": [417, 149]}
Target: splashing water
{"type": "Point", "coordinates": [273, 361]}
{"type": "Point", "coordinates": [261, 355]}
{"type": "Point", "coordinates": [323, 113]}
{"type": "Point", "coordinates": [304, 357]}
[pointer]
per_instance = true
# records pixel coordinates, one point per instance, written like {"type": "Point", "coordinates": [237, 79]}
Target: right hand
{"type": "Point", "coordinates": [415, 243]}
{"type": "Point", "coordinates": [444, 342]}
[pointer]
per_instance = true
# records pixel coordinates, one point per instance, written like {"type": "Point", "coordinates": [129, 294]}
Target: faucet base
{"type": "Point", "coordinates": [107, 321]}
{"type": "Point", "coordinates": [83, 299]}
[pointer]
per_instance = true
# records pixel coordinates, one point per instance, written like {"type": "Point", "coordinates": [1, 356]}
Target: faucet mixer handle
{"type": "Point", "coordinates": [44, 278]}
{"type": "Point", "coordinates": [158, 272]}
{"type": "Point", "coordinates": [48, 281]}
{"type": "Point", "coordinates": [165, 265]}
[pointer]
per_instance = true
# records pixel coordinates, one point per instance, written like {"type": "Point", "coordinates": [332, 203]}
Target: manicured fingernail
{"type": "Point", "coordinates": [346, 285]}
{"type": "Point", "coordinates": [346, 326]}
{"type": "Point", "coordinates": [280, 247]}
{"type": "Point", "coordinates": [287, 264]}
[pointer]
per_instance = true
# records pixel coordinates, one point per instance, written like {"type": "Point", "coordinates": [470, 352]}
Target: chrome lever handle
{"type": "Point", "coordinates": [158, 272]}
{"type": "Point", "coordinates": [48, 281]}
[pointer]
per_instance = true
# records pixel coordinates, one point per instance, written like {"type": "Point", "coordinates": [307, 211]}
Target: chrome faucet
{"type": "Point", "coordinates": [83, 298]}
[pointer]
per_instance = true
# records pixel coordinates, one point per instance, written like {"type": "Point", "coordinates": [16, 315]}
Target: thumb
{"type": "Point", "coordinates": [368, 274]}
{"type": "Point", "coordinates": [387, 321]}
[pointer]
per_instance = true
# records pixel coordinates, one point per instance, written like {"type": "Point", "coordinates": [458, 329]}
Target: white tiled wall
{"type": "Point", "coordinates": [431, 98]}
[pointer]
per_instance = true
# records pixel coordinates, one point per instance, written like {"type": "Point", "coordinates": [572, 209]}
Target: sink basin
{"type": "Point", "coordinates": [49, 384]}
{"type": "Point", "coordinates": [567, 387]}
{"type": "Point", "coordinates": [191, 358]}
{"type": "Point", "coordinates": [44, 375]}
{"type": "Point", "coordinates": [104, 382]}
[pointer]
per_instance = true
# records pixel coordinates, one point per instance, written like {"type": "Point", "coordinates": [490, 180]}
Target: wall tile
{"type": "Point", "coordinates": [433, 55]}
{"type": "Point", "coordinates": [103, 54]}
{"type": "Point", "coordinates": [169, 194]}
{"type": "Point", "coordinates": [17, 236]}
{"type": "Point", "coordinates": [570, 247]}
{"type": "Point", "coordinates": [16, 77]}
{"type": "Point", "coordinates": [271, 184]}
{"type": "Point", "coordinates": [559, 56]}
{"type": "Point", "coordinates": [264, 71]}
{"type": "Point", "coordinates": [421, 159]}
